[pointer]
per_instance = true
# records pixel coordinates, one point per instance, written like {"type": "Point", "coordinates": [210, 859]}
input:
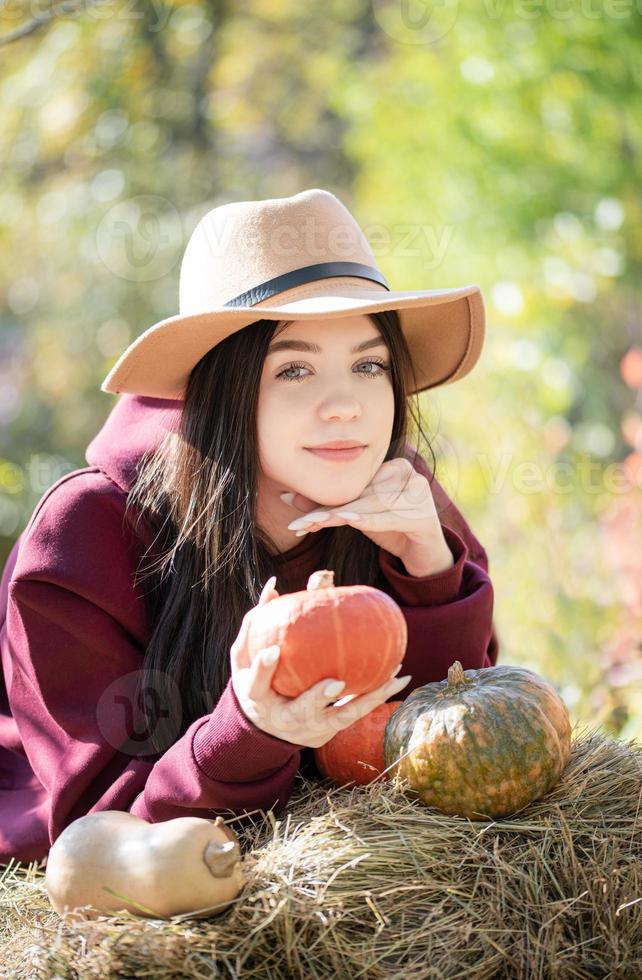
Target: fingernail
{"type": "Point", "coordinates": [398, 683]}
{"type": "Point", "coordinates": [332, 689]}
{"type": "Point", "coordinates": [398, 669]}
{"type": "Point", "coordinates": [348, 514]}
{"type": "Point", "coordinates": [270, 655]}
{"type": "Point", "coordinates": [288, 498]}
{"type": "Point", "coordinates": [315, 515]}
{"type": "Point", "coordinates": [300, 534]}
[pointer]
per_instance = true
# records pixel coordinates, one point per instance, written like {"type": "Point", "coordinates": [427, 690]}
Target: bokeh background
{"type": "Point", "coordinates": [498, 143]}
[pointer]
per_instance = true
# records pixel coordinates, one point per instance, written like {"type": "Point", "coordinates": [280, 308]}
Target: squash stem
{"type": "Point", "coordinates": [323, 579]}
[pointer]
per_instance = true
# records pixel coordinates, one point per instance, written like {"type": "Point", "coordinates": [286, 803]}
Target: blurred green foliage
{"type": "Point", "coordinates": [498, 144]}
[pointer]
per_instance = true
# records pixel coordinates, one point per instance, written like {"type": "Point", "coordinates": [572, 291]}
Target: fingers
{"type": "Point", "coordinates": [329, 690]}
{"type": "Point", "coordinates": [392, 686]}
{"type": "Point", "coordinates": [298, 501]}
{"type": "Point", "coordinates": [267, 590]}
{"type": "Point", "coordinates": [320, 695]}
{"type": "Point", "coordinates": [348, 713]}
{"type": "Point", "coordinates": [261, 672]}
{"type": "Point", "coordinates": [238, 653]}
{"type": "Point", "coordinates": [238, 650]}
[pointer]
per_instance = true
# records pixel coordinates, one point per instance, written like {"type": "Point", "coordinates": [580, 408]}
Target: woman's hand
{"type": "Point", "coordinates": [396, 510]}
{"type": "Point", "coordinates": [310, 719]}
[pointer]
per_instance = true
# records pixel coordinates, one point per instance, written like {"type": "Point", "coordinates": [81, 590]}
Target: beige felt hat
{"type": "Point", "coordinates": [292, 258]}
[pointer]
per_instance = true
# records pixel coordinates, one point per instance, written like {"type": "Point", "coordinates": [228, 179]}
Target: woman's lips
{"type": "Point", "coordinates": [337, 455]}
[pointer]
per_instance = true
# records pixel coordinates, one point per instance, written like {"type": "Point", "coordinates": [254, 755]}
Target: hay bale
{"type": "Point", "coordinates": [364, 882]}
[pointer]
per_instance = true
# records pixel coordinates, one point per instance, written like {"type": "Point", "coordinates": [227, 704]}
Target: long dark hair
{"type": "Point", "coordinates": [210, 560]}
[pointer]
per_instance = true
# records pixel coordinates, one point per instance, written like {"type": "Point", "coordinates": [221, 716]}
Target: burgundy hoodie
{"type": "Point", "coordinates": [74, 629]}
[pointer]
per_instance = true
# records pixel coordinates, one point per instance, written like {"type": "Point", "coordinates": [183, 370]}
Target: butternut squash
{"type": "Point", "coordinates": [112, 861]}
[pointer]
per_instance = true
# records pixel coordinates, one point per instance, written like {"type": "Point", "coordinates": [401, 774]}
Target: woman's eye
{"type": "Point", "coordinates": [383, 368]}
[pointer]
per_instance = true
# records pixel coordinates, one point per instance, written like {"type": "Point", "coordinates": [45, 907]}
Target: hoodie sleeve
{"type": "Point", "coordinates": [449, 614]}
{"type": "Point", "coordinates": [75, 638]}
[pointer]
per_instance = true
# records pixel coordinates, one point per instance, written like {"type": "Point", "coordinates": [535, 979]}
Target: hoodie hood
{"type": "Point", "coordinates": [136, 424]}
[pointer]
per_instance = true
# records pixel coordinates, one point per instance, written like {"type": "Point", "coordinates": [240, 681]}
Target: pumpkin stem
{"type": "Point", "coordinates": [323, 579]}
{"type": "Point", "coordinates": [221, 857]}
{"type": "Point", "coordinates": [455, 674]}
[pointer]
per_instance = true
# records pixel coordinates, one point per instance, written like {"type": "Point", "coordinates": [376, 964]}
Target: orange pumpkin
{"type": "Point", "coordinates": [355, 754]}
{"type": "Point", "coordinates": [355, 633]}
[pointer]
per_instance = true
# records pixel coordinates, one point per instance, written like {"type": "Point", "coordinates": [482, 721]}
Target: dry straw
{"type": "Point", "coordinates": [364, 882]}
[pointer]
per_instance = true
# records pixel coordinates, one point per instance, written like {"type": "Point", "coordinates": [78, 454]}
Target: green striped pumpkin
{"type": "Point", "coordinates": [482, 743]}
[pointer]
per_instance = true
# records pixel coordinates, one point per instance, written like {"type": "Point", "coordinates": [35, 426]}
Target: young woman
{"type": "Point", "coordinates": [124, 604]}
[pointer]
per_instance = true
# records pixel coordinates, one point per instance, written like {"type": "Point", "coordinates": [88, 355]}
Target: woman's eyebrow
{"type": "Point", "coordinates": [303, 345]}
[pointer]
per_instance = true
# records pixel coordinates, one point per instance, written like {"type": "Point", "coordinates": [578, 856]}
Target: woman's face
{"type": "Point", "coordinates": [307, 398]}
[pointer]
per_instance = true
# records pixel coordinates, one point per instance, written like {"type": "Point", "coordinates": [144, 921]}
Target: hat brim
{"type": "Point", "coordinates": [444, 330]}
